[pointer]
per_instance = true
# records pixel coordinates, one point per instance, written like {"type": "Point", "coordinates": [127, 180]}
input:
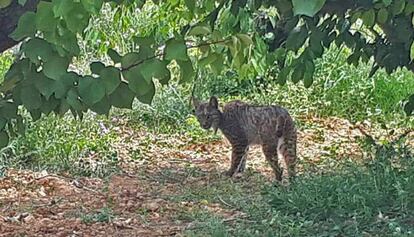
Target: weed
{"type": "Point", "coordinates": [102, 215]}
{"type": "Point", "coordinates": [63, 144]}
{"type": "Point", "coordinates": [375, 198]}
{"type": "Point", "coordinates": [6, 60]}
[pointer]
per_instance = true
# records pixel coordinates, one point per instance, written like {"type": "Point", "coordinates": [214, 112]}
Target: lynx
{"type": "Point", "coordinates": [242, 124]}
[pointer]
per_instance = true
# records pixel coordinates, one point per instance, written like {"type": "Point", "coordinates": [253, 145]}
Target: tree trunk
{"type": "Point", "coordinates": [9, 17]}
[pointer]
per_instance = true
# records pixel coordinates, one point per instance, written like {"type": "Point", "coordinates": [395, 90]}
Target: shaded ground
{"type": "Point", "coordinates": [166, 187]}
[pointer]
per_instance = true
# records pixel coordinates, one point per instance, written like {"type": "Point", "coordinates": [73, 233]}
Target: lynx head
{"type": "Point", "coordinates": [207, 113]}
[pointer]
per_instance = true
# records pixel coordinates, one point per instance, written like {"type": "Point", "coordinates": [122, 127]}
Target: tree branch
{"type": "Point", "coordinates": [162, 54]}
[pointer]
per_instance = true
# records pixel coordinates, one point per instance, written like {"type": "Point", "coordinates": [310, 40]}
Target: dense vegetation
{"type": "Point", "coordinates": [278, 40]}
{"type": "Point", "coordinates": [351, 198]}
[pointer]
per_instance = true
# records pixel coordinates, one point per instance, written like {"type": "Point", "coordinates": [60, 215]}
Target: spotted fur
{"type": "Point", "coordinates": [242, 124]}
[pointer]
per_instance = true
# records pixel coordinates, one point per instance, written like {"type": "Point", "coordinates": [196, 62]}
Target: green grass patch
{"type": "Point", "coordinates": [102, 215]}
{"type": "Point", "coordinates": [63, 144]}
{"type": "Point", "coordinates": [372, 199]}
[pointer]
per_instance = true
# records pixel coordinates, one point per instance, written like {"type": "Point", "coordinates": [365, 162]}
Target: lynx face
{"type": "Point", "coordinates": [207, 113]}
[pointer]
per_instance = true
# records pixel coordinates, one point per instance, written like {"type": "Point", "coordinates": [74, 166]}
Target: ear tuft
{"type": "Point", "coordinates": [213, 102]}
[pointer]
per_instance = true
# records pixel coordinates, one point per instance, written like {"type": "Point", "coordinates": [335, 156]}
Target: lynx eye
{"type": "Point", "coordinates": [207, 116]}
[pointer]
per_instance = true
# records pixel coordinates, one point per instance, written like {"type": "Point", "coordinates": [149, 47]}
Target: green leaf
{"type": "Point", "coordinates": [298, 73]}
{"type": "Point", "coordinates": [136, 81]}
{"type": "Point", "coordinates": [409, 8]}
{"type": "Point", "coordinates": [354, 58]}
{"type": "Point", "coordinates": [382, 16]}
{"type": "Point", "coordinates": [161, 71]}
{"type": "Point", "coordinates": [4, 138]}
{"type": "Point", "coordinates": [218, 64]}
{"type": "Point", "coordinates": [55, 67]}
{"type": "Point", "coordinates": [191, 4]}
{"type": "Point", "coordinates": [154, 68]}
{"type": "Point", "coordinates": [68, 41]}
{"type": "Point", "coordinates": [130, 59]}
{"type": "Point", "coordinates": [368, 17]}
{"type": "Point", "coordinates": [65, 82]}
{"type": "Point", "coordinates": [74, 14]}
{"type": "Point", "coordinates": [77, 19]}
{"type": "Point", "coordinates": [144, 41]}
{"type": "Point", "coordinates": [15, 74]}
{"type": "Point", "coordinates": [45, 20]}
{"type": "Point", "coordinates": [397, 7]}
{"type": "Point", "coordinates": [122, 97]}
{"type": "Point", "coordinates": [210, 58]}
{"type": "Point", "coordinates": [102, 107]}
{"type": "Point", "coordinates": [409, 106]}
{"type": "Point", "coordinates": [245, 39]}
{"type": "Point", "coordinates": [296, 38]}
{"type": "Point", "coordinates": [200, 30]}
{"type": "Point", "coordinates": [3, 123]}
{"type": "Point", "coordinates": [412, 51]}
{"type": "Point", "coordinates": [310, 70]}
{"type": "Point", "coordinates": [355, 16]}
{"type": "Point", "coordinates": [63, 108]}
{"type": "Point", "coordinates": [62, 7]}
{"type": "Point", "coordinates": [92, 6]}
{"type": "Point", "coordinates": [20, 125]}
{"type": "Point", "coordinates": [186, 71]}
{"type": "Point", "coordinates": [60, 89]}
{"type": "Point", "coordinates": [8, 110]}
{"type": "Point", "coordinates": [38, 48]}
{"type": "Point", "coordinates": [49, 105]}
{"type": "Point", "coordinates": [91, 90]}
{"type": "Point", "coordinates": [22, 2]}
{"type": "Point", "coordinates": [145, 52]}
{"type": "Point", "coordinates": [317, 48]}
{"type": "Point", "coordinates": [283, 75]}
{"type": "Point", "coordinates": [307, 7]}
{"type": "Point", "coordinates": [25, 27]}
{"type": "Point", "coordinates": [72, 98]}
{"type": "Point", "coordinates": [116, 58]}
{"type": "Point", "coordinates": [44, 85]}
{"type": "Point", "coordinates": [111, 77]}
{"type": "Point", "coordinates": [175, 49]}
{"type": "Point", "coordinates": [149, 95]}
{"type": "Point", "coordinates": [234, 46]}
{"type": "Point", "coordinates": [31, 98]}
{"type": "Point", "coordinates": [387, 2]}
{"type": "Point", "coordinates": [97, 67]}
{"type": "Point", "coordinates": [5, 3]}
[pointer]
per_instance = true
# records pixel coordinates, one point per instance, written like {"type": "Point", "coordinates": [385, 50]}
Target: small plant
{"type": "Point", "coordinates": [376, 198]}
{"type": "Point", "coordinates": [63, 144]}
{"type": "Point", "coordinates": [102, 215]}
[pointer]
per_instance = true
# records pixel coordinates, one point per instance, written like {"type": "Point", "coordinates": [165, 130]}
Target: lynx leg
{"type": "Point", "coordinates": [287, 151]}
{"type": "Point", "coordinates": [270, 152]}
{"type": "Point", "coordinates": [242, 165]}
{"type": "Point", "coordinates": [237, 155]}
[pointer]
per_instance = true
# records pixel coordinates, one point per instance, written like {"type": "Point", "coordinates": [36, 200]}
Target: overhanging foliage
{"type": "Point", "coordinates": [251, 36]}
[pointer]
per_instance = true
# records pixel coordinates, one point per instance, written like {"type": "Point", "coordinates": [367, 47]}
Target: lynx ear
{"type": "Point", "coordinates": [195, 102]}
{"type": "Point", "coordinates": [213, 102]}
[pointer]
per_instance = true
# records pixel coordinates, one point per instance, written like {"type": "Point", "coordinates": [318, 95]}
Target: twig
{"type": "Point", "coordinates": [52, 175]}
{"type": "Point", "coordinates": [224, 202]}
{"type": "Point", "coordinates": [161, 54]}
{"type": "Point", "coordinates": [198, 225]}
{"type": "Point", "coordinates": [80, 185]}
{"type": "Point", "coordinates": [51, 203]}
